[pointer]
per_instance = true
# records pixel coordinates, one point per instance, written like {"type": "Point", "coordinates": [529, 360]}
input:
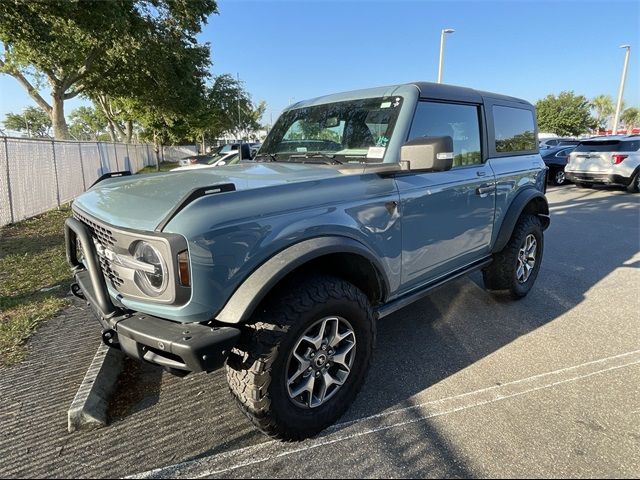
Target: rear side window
{"type": "Point", "coordinates": [514, 129]}
{"type": "Point", "coordinates": [609, 146]}
{"type": "Point", "coordinates": [460, 122]}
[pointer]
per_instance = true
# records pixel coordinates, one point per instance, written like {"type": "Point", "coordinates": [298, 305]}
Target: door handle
{"type": "Point", "coordinates": [481, 173]}
{"type": "Point", "coordinates": [486, 188]}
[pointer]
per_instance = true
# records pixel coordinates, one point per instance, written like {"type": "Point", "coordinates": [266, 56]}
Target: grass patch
{"type": "Point", "coordinates": [164, 167]}
{"type": "Point", "coordinates": [34, 279]}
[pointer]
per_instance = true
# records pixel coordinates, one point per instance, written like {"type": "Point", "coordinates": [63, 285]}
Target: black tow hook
{"type": "Point", "coordinates": [110, 338]}
{"type": "Point", "coordinates": [77, 291]}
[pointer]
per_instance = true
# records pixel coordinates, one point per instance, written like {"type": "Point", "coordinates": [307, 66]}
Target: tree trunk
{"type": "Point", "coordinates": [112, 131]}
{"type": "Point", "coordinates": [60, 129]}
{"type": "Point", "coordinates": [156, 149]}
{"type": "Point", "coordinates": [129, 130]}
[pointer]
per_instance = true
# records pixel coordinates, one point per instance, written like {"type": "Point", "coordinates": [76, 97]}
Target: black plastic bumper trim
{"type": "Point", "coordinates": [599, 178]}
{"type": "Point", "coordinates": [189, 347]}
{"type": "Point", "coordinates": [192, 347]}
{"type": "Point", "coordinates": [98, 295]}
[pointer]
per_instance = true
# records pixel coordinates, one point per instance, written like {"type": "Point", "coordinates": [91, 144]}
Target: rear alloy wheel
{"type": "Point", "coordinates": [634, 186]}
{"type": "Point", "coordinates": [516, 267]}
{"type": "Point", "coordinates": [559, 177]}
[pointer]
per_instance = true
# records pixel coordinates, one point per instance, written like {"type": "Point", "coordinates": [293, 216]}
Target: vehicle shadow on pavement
{"type": "Point", "coordinates": [420, 346]}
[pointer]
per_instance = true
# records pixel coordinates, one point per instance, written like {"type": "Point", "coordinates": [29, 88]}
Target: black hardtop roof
{"type": "Point", "coordinates": [453, 92]}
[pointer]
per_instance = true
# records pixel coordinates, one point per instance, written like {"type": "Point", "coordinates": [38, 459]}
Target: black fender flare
{"type": "Point", "coordinates": [518, 205]}
{"type": "Point", "coordinates": [259, 283]}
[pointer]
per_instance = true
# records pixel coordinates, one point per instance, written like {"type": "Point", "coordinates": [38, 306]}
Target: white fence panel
{"type": "Point", "coordinates": [38, 175]}
{"type": "Point", "coordinates": [5, 195]}
{"type": "Point", "coordinates": [91, 163]}
{"type": "Point", "coordinates": [122, 158]}
{"type": "Point", "coordinates": [32, 178]}
{"type": "Point", "coordinates": [69, 170]}
{"type": "Point", "coordinates": [175, 153]}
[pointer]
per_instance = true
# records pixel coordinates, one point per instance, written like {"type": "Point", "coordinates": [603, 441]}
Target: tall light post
{"type": "Point", "coordinates": [616, 118]}
{"type": "Point", "coordinates": [442, 33]}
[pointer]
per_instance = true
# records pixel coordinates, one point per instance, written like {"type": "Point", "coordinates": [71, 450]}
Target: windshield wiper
{"type": "Point", "coordinates": [320, 155]}
{"type": "Point", "coordinates": [273, 157]}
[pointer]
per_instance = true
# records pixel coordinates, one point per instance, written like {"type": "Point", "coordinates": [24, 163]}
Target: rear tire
{"type": "Point", "coordinates": [558, 177]}
{"type": "Point", "coordinates": [516, 267]}
{"type": "Point", "coordinates": [270, 364]}
{"type": "Point", "coordinates": [634, 186]}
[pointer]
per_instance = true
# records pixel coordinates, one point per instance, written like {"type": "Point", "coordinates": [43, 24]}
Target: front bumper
{"type": "Point", "coordinates": [183, 347]}
{"type": "Point", "coordinates": [608, 179]}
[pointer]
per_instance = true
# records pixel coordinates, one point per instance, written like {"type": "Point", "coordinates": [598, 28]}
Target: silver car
{"type": "Point", "coordinates": [613, 160]}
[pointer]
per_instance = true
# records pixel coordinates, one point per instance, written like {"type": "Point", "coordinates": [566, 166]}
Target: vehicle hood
{"type": "Point", "coordinates": [141, 202]}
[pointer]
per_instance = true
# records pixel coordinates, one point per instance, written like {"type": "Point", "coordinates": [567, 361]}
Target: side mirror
{"type": "Point", "coordinates": [428, 154]}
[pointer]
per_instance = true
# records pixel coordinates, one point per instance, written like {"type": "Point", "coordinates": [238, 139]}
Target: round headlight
{"type": "Point", "coordinates": [151, 283]}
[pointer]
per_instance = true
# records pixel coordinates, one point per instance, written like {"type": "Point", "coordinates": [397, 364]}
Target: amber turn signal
{"type": "Point", "coordinates": [183, 268]}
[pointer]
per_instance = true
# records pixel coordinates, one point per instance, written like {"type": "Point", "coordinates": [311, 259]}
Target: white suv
{"type": "Point", "coordinates": [613, 160]}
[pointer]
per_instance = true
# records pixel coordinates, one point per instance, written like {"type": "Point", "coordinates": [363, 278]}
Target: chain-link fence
{"type": "Point", "coordinates": [38, 175]}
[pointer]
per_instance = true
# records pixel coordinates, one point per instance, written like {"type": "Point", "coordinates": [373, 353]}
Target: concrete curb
{"type": "Point", "coordinates": [89, 408]}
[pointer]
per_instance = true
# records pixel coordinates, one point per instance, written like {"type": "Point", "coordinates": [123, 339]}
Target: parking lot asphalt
{"type": "Point", "coordinates": [464, 384]}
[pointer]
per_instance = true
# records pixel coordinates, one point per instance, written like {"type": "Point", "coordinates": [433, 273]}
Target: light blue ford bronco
{"type": "Point", "coordinates": [356, 205]}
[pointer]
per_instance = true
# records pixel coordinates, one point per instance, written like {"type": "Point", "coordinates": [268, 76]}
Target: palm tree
{"type": "Point", "coordinates": [631, 118]}
{"type": "Point", "coordinates": [603, 106]}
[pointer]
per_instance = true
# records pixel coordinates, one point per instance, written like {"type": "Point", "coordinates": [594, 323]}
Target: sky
{"type": "Point", "coordinates": [288, 51]}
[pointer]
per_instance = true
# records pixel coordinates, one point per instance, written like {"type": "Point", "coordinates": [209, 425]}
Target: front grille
{"type": "Point", "coordinates": [102, 234]}
{"type": "Point", "coordinates": [105, 237]}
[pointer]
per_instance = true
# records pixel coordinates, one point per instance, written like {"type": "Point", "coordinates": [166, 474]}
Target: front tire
{"type": "Point", "coordinates": [516, 267]}
{"type": "Point", "coordinates": [302, 362]}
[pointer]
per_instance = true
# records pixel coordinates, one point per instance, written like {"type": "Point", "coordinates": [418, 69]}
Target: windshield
{"type": "Point", "coordinates": [351, 131]}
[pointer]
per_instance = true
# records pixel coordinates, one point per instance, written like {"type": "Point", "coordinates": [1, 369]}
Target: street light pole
{"type": "Point", "coordinates": [616, 118]}
{"type": "Point", "coordinates": [442, 33]}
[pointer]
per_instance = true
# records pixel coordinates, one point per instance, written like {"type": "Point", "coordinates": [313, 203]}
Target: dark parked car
{"type": "Point", "coordinates": [557, 142]}
{"type": "Point", "coordinates": [556, 159]}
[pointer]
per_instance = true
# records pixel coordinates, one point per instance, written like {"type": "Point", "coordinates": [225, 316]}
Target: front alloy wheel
{"type": "Point", "coordinates": [559, 178]}
{"type": "Point", "coordinates": [303, 359]}
{"type": "Point", "coordinates": [320, 362]}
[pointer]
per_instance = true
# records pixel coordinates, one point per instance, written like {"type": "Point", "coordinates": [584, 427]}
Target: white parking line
{"type": "Point", "coordinates": [228, 461]}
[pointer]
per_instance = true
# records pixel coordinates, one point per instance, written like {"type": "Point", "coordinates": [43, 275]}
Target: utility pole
{"type": "Point", "coordinates": [239, 132]}
{"type": "Point", "coordinates": [616, 118]}
{"type": "Point", "coordinates": [442, 34]}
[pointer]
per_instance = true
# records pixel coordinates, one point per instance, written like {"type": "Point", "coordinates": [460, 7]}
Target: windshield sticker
{"type": "Point", "coordinates": [385, 104]}
{"type": "Point", "coordinates": [301, 149]}
{"type": "Point", "coordinates": [382, 141]}
{"type": "Point", "coordinates": [376, 152]}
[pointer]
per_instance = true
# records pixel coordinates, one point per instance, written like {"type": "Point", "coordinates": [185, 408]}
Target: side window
{"type": "Point", "coordinates": [460, 122]}
{"type": "Point", "coordinates": [514, 129]}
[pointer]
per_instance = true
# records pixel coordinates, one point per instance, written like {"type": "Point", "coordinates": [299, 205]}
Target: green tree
{"type": "Point", "coordinates": [603, 107]}
{"type": "Point", "coordinates": [88, 123]}
{"type": "Point", "coordinates": [631, 118]}
{"type": "Point", "coordinates": [34, 121]}
{"type": "Point", "coordinates": [565, 114]}
{"type": "Point", "coordinates": [99, 48]}
{"type": "Point", "coordinates": [228, 108]}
